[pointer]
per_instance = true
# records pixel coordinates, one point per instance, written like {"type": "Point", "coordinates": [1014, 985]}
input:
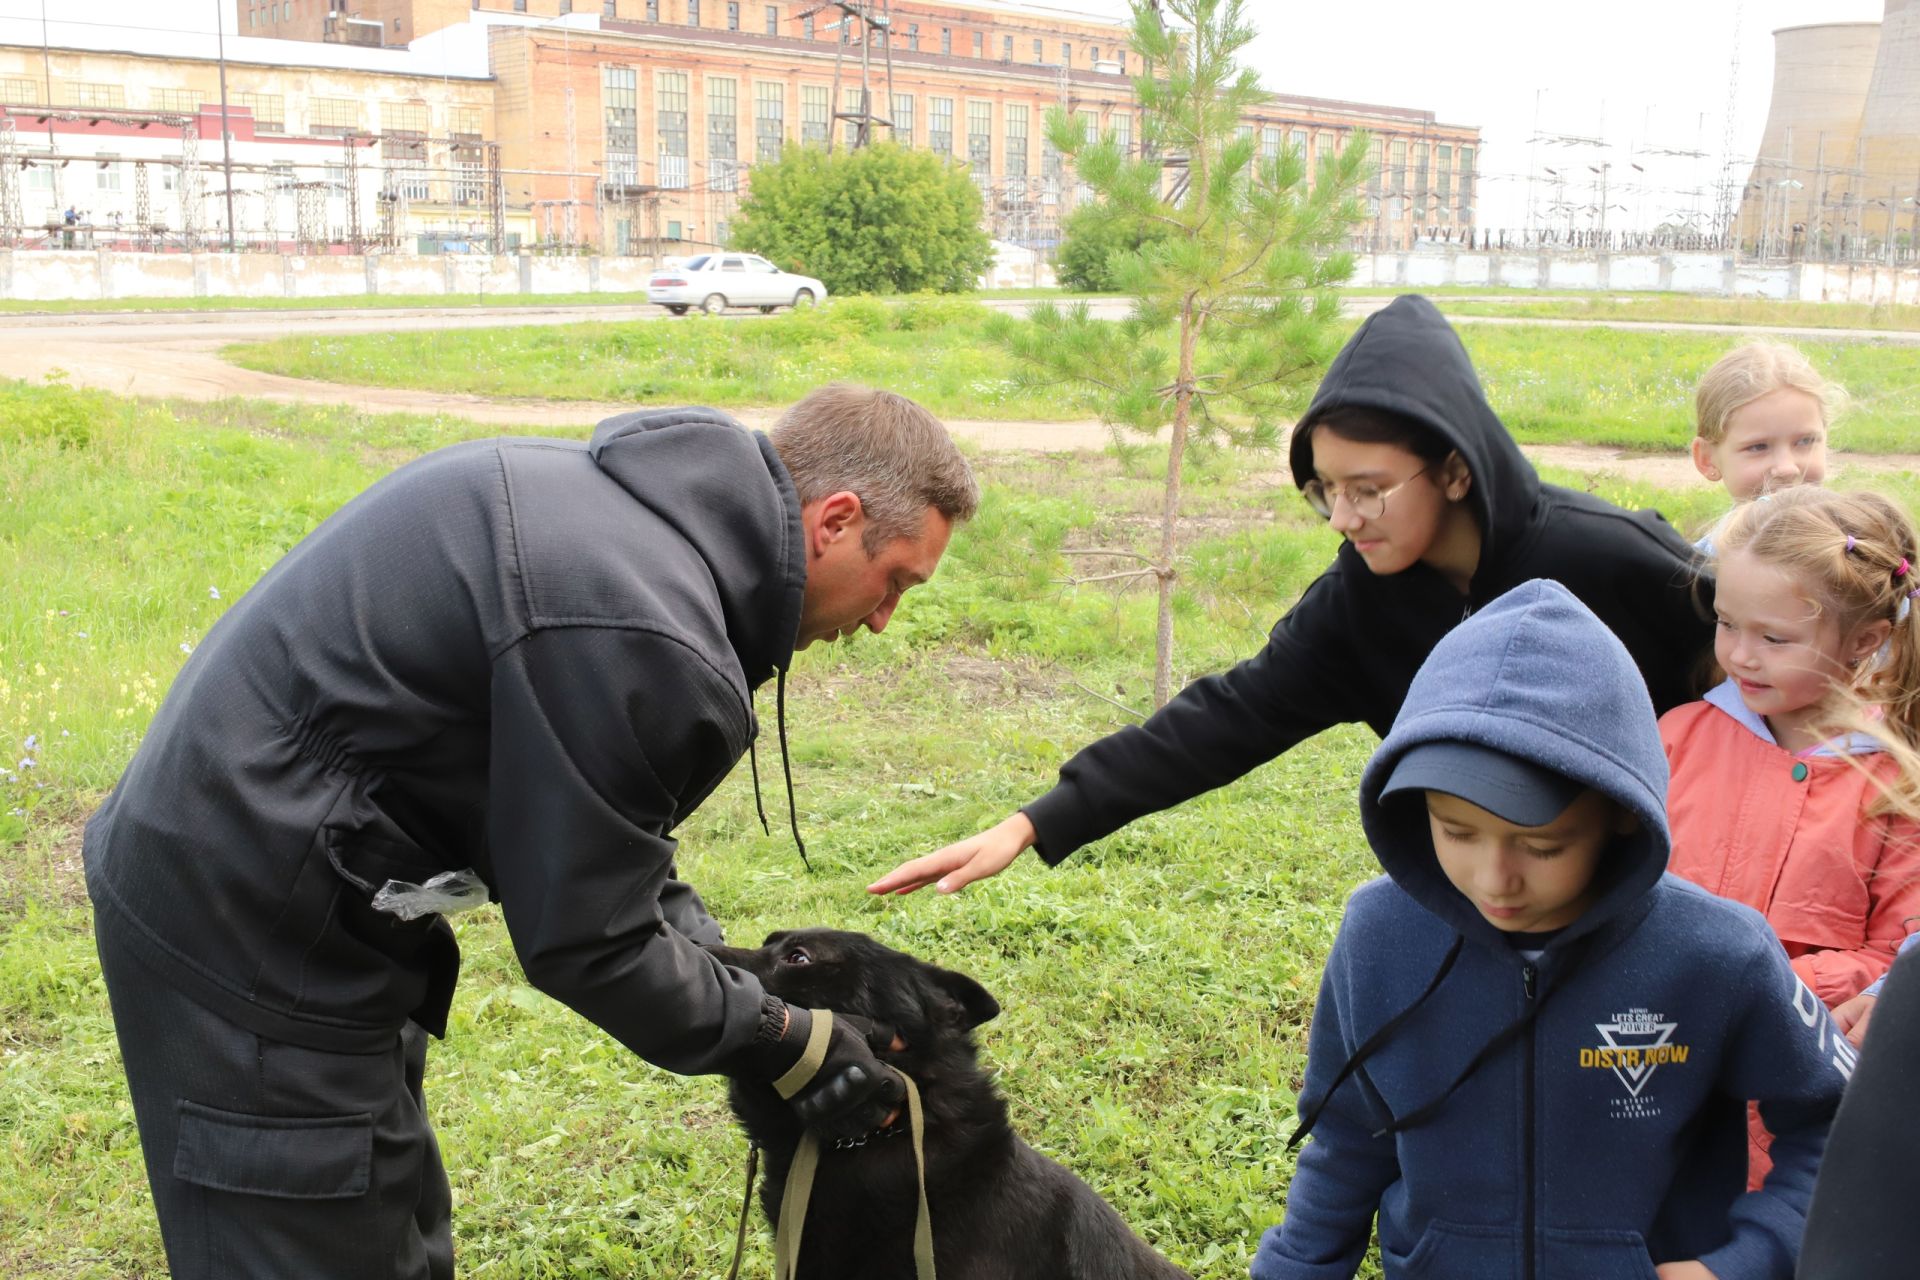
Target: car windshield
{"type": "Point", "coordinates": [695, 264]}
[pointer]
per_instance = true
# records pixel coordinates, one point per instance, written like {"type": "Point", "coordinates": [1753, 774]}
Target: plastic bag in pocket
{"type": "Point", "coordinates": [444, 894]}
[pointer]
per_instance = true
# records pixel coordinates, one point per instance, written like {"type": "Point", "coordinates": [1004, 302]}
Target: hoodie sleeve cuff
{"type": "Point", "coordinates": [1058, 823]}
{"type": "Point", "coordinates": [1747, 1258]}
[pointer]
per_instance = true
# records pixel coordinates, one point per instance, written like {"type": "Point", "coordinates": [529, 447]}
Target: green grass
{"type": "Point", "coordinates": [1155, 989]}
{"type": "Point", "coordinates": [1620, 387]}
{"type": "Point", "coordinates": [1669, 308]}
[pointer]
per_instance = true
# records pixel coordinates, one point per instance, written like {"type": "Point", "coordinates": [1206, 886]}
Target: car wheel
{"type": "Point", "coordinates": [802, 300]}
{"type": "Point", "coordinates": [766, 311]}
{"type": "Point", "coordinates": [678, 309]}
{"type": "Point", "coordinates": [713, 304]}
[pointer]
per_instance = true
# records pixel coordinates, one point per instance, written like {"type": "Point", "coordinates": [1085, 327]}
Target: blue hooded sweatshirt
{"type": "Point", "coordinates": [1582, 1114]}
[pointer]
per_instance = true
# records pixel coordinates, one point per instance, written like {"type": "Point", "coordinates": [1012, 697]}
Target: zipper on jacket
{"type": "Point", "coordinates": [1529, 975]}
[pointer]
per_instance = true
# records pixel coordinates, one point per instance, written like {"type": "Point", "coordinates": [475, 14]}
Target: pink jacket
{"type": "Point", "coordinates": [1791, 837]}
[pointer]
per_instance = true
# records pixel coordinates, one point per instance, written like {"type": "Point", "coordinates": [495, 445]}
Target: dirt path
{"type": "Point", "coordinates": [174, 356]}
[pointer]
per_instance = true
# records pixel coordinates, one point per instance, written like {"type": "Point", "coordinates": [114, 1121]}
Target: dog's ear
{"type": "Point", "coordinates": [974, 1002]}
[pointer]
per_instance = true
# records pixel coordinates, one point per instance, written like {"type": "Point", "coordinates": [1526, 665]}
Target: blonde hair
{"type": "Point", "coordinates": [1857, 558]}
{"type": "Point", "coordinates": [1746, 373]}
{"type": "Point", "coordinates": [895, 455]}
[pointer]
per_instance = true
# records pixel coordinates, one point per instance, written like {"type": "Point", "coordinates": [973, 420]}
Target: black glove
{"type": "Point", "coordinates": [851, 1092]}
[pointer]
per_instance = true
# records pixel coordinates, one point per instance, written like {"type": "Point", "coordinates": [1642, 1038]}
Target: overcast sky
{"type": "Point", "coordinates": [1640, 73]}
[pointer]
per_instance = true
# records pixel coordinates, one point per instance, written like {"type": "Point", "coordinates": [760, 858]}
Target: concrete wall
{"type": "Point", "coordinates": [1707, 274]}
{"type": "Point", "coordinates": [89, 275]}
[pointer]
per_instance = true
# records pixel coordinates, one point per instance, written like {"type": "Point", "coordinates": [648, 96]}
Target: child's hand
{"type": "Point", "coordinates": [1683, 1271]}
{"type": "Point", "coordinates": [1852, 1017]}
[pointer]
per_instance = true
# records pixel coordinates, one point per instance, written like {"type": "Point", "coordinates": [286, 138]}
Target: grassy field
{"type": "Point", "coordinates": [1673, 308]}
{"type": "Point", "coordinates": [1155, 989]}
{"type": "Point", "coordinates": [1620, 387]}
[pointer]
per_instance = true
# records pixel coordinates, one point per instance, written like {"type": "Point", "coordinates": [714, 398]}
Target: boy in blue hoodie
{"type": "Point", "coordinates": [1533, 1048]}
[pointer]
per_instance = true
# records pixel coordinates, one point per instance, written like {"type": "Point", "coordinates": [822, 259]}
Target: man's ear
{"type": "Point", "coordinates": [1703, 460]}
{"type": "Point", "coordinates": [972, 1003]}
{"type": "Point", "coordinates": [836, 517]}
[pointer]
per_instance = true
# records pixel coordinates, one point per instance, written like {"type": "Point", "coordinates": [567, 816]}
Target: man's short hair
{"type": "Point", "coordinates": [891, 452]}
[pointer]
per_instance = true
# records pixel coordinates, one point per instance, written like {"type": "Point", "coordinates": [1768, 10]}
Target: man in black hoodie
{"type": "Point", "coordinates": [528, 660]}
{"type": "Point", "coordinates": [1350, 647]}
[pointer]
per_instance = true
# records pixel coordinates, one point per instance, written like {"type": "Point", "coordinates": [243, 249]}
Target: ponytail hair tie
{"type": "Point", "coordinates": [1901, 572]}
{"type": "Point", "coordinates": [1849, 544]}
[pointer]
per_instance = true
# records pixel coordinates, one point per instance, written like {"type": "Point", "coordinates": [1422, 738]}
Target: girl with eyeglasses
{"type": "Point", "coordinates": [1441, 513]}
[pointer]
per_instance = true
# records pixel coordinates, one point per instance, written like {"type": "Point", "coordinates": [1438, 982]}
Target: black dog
{"type": "Point", "coordinates": [1000, 1209]}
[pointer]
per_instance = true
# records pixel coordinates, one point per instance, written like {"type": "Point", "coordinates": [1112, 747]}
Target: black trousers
{"type": "Point", "coordinates": [273, 1160]}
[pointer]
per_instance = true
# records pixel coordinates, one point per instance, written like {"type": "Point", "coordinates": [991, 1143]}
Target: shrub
{"type": "Point", "coordinates": [1091, 235]}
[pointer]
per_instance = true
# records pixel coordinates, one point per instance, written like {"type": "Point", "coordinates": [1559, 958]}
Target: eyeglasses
{"type": "Point", "coordinates": [1368, 501]}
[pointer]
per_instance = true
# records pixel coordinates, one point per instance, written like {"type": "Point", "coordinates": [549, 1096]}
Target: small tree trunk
{"type": "Point", "coordinates": [1170, 510]}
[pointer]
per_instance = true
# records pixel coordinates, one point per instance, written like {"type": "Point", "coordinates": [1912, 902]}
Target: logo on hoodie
{"type": "Point", "coordinates": [1633, 1046]}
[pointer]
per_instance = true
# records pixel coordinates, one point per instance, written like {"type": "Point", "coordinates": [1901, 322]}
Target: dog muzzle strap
{"type": "Point", "coordinates": [801, 1073]}
{"type": "Point", "coordinates": [799, 1190]}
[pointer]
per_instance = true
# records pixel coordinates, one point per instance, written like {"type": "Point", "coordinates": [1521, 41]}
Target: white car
{"type": "Point", "coordinates": [715, 281]}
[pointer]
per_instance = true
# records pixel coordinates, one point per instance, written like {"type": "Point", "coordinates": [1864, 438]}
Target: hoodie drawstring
{"type": "Point", "coordinates": [1373, 1042]}
{"type": "Point", "coordinates": [753, 763]}
{"type": "Point", "coordinates": [786, 764]}
{"type": "Point", "coordinates": [1500, 1040]}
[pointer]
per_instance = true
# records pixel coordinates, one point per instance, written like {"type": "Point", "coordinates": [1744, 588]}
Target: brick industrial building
{"type": "Point", "coordinates": [631, 122]}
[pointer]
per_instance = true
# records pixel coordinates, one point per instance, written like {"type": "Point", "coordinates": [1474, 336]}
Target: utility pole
{"type": "Point", "coordinates": [226, 131]}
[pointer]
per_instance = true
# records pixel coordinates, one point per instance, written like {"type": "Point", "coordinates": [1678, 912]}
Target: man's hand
{"type": "Point", "coordinates": [851, 1092]}
{"type": "Point", "coordinates": [959, 865]}
{"type": "Point", "coordinates": [1683, 1271]}
{"type": "Point", "coordinates": [1854, 1015]}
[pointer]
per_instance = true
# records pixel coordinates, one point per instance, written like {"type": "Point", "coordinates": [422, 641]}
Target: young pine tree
{"type": "Point", "coordinates": [1234, 305]}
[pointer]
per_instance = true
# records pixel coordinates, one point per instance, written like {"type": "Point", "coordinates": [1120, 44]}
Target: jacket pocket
{"type": "Point", "coordinates": [1458, 1251]}
{"type": "Point", "coordinates": [1598, 1255]}
{"type": "Point", "coordinates": [283, 1158]}
{"type": "Point", "coordinates": [417, 962]}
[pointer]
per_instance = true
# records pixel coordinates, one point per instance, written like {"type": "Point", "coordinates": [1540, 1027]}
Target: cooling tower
{"type": "Point", "coordinates": [1821, 79]}
{"type": "Point", "coordinates": [1890, 125]}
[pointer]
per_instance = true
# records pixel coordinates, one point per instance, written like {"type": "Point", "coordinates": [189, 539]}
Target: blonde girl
{"type": "Point", "coordinates": [1761, 417]}
{"type": "Point", "coordinates": [1796, 783]}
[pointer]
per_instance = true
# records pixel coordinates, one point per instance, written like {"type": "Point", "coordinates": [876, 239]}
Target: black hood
{"type": "Point", "coordinates": [725, 490]}
{"type": "Point", "coordinates": [1406, 359]}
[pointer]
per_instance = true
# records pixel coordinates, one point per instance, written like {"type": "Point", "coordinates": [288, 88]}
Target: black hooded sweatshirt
{"type": "Point", "coordinates": [1348, 650]}
{"type": "Point", "coordinates": [529, 657]}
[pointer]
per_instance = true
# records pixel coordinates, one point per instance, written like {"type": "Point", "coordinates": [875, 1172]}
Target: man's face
{"type": "Point", "coordinates": [848, 589]}
{"type": "Point", "coordinates": [1524, 879]}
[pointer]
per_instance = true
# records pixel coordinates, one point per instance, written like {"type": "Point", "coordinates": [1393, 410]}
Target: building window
{"type": "Point", "coordinates": [806, 25]}
{"type": "Point", "coordinates": [1016, 158]}
{"type": "Point", "coordinates": [723, 134]}
{"type": "Point", "coordinates": [1299, 141]}
{"type": "Point", "coordinates": [622, 237]}
{"type": "Point", "coordinates": [653, 10]}
{"type": "Point", "coordinates": [82, 94]}
{"type": "Point", "coordinates": [1006, 49]}
{"type": "Point", "coordinates": [179, 101]}
{"type": "Point", "coordinates": [1123, 132]}
{"type": "Point", "coordinates": [1093, 55]}
{"type": "Point", "coordinates": [1090, 126]}
{"type": "Point", "coordinates": [815, 113]}
{"type": "Point", "coordinates": [980, 140]}
{"type": "Point", "coordinates": [519, 6]}
{"type": "Point", "coordinates": [1443, 164]}
{"type": "Point", "coordinates": [106, 176]}
{"type": "Point", "coordinates": [1397, 169]}
{"type": "Point", "coordinates": [913, 36]}
{"type": "Point", "coordinates": [1066, 54]}
{"type": "Point", "coordinates": [607, 9]}
{"type": "Point", "coordinates": [673, 229]}
{"type": "Point", "coordinates": [670, 120]}
{"type": "Point", "coordinates": [620, 121]}
{"type": "Point", "coordinates": [733, 16]}
{"type": "Point", "coordinates": [903, 119]}
{"type": "Point", "coordinates": [20, 91]}
{"type": "Point", "coordinates": [979, 45]}
{"type": "Point", "coordinates": [269, 109]}
{"type": "Point", "coordinates": [693, 13]}
{"type": "Point", "coordinates": [1419, 191]}
{"type": "Point", "coordinates": [769, 120]}
{"type": "Point", "coordinates": [1466, 184]}
{"type": "Point", "coordinates": [1039, 51]}
{"type": "Point", "coordinates": [469, 170]}
{"type": "Point", "coordinates": [333, 115]}
{"type": "Point", "coordinates": [1270, 142]}
{"type": "Point", "coordinates": [946, 40]}
{"type": "Point", "coordinates": [404, 117]}
{"type": "Point", "coordinates": [773, 20]}
{"type": "Point", "coordinates": [853, 104]}
{"type": "Point", "coordinates": [566, 7]}
{"type": "Point", "coordinates": [940, 125]}
{"type": "Point", "coordinates": [1049, 170]}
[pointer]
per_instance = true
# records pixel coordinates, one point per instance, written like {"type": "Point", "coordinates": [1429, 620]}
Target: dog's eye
{"type": "Point", "coordinates": [797, 955]}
